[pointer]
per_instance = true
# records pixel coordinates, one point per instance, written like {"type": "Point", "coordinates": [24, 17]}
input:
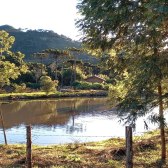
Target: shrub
{"type": "Point", "coordinates": [112, 81]}
{"type": "Point", "coordinates": [75, 84]}
{"type": "Point", "coordinates": [47, 84]}
{"type": "Point", "coordinates": [84, 86]}
{"type": "Point", "coordinates": [33, 85]}
{"type": "Point", "coordinates": [67, 75]}
{"type": "Point", "coordinates": [97, 86]}
{"type": "Point", "coordinates": [2, 91]}
{"type": "Point", "coordinates": [107, 86]}
{"type": "Point", "coordinates": [18, 88]}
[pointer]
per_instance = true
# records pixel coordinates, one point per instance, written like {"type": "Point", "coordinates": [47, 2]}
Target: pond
{"type": "Point", "coordinates": [62, 120]}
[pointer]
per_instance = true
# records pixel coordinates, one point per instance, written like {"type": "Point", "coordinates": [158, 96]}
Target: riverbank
{"type": "Point", "coordinates": [108, 153]}
{"type": "Point", "coordinates": [65, 93]}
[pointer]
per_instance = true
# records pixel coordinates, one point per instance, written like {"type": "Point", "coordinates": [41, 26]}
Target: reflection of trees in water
{"type": "Point", "coordinates": [78, 102]}
{"type": "Point", "coordinates": [13, 106]}
{"type": "Point", "coordinates": [48, 112]}
{"type": "Point", "coordinates": [75, 127]}
{"type": "Point", "coordinates": [80, 105]}
{"type": "Point", "coordinates": [88, 104]}
{"type": "Point", "coordinates": [78, 127]}
{"type": "Point", "coordinates": [39, 107]}
{"type": "Point", "coordinates": [44, 107]}
{"type": "Point", "coordinates": [29, 112]}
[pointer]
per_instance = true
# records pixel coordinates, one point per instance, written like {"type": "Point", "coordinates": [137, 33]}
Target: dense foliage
{"type": "Point", "coordinates": [9, 69]}
{"type": "Point", "coordinates": [68, 75]}
{"type": "Point", "coordinates": [18, 74]}
{"type": "Point", "coordinates": [47, 84]}
{"type": "Point", "coordinates": [130, 37]}
{"type": "Point", "coordinates": [83, 85]}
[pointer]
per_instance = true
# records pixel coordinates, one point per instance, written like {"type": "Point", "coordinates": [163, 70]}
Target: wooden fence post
{"type": "Point", "coordinates": [29, 147]}
{"type": "Point", "coordinates": [3, 125]}
{"type": "Point", "coordinates": [129, 152]}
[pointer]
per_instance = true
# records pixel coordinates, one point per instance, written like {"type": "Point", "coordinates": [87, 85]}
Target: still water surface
{"type": "Point", "coordinates": [56, 121]}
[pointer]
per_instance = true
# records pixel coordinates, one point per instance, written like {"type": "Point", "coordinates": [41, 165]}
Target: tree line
{"type": "Point", "coordinates": [65, 68]}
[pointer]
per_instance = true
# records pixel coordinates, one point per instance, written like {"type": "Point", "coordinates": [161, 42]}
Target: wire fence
{"type": "Point", "coordinates": [140, 151]}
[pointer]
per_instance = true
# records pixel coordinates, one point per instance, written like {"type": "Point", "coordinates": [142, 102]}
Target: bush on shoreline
{"type": "Point", "coordinates": [83, 85]}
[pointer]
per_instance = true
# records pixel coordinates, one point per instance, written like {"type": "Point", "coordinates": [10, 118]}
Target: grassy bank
{"type": "Point", "coordinates": [108, 153]}
{"type": "Point", "coordinates": [66, 93]}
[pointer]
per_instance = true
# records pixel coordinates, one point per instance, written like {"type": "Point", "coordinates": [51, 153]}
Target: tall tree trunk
{"type": "Point", "coordinates": [161, 124]}
{"type": "Point", "coordinates": [56, 69]}
{"type": "Point", "coordinates": [41, 66]}
{"type": "Point", "coordinates": [162, 133]}
{"type": "Point", "coordinates": [71, 75]}
{"type": "Point", "coordinates": [75, 69]}
{"type": "Point", "coordinates": [3, 125]}
{"type": "Point", "coordinates": [1, 55]}
{"type": "Point", "coordinates": [62, 75]}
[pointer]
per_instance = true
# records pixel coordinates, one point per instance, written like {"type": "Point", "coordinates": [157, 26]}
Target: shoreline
{"type": "Point", "coordinates": [39, 95]}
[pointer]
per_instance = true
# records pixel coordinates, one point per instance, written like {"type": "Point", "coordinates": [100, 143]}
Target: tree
{"type": "Point", "coordinates": [8, 69]}
{"type": "Point", "coordinates": [67, 75]}
{"type": "Point", "coordinates": [64, 54]}
{"type": "Point", "coordinates": [47, 84]}
{"type": "Point", "coordinates": [130, 37]}
{"type": "Point", "coordinates": [75, 52]}
{"type": "Point", "coordinates": [72, 62]}
{"type": "Point", "coordinates": [17, 59]}
{"type": "Point", "coordinates": [37, 73]}
{"type": "Point", "coordinates": [41, 56]}
{"type": "Point", "coordinates": [34, 72]}
{"type": "Point", "coordinates": [5, 42]}
{"type": "Point", "coordinates": [56, 55]}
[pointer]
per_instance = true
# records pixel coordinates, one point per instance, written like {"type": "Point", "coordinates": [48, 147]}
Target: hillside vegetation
{"type": "Point", "coordinates": [33, 41]}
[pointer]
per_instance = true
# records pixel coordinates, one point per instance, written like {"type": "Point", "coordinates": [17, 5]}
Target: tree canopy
{"type": "Point", "coordinates": [131, 38]}
{"type": "Point", "coordinates": [41, 55]}
{"type": "Point", "coordinates": [5, 41]}
{"type": "Point", "coordinates": [9, 69]}
{"type": "Point", "coordinates": [75, 52]}
{"type": "Point", "coordinates": [56, 55]}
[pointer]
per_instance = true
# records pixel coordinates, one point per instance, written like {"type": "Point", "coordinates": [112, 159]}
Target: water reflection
{"type": "Point", "coordinates": [57, 121]}
{"type": "Point", "coordinates": [48, 112]}
{"type": "Point", "coordinates": [49, 118]}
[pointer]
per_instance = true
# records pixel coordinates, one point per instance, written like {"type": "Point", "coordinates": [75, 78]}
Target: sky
{"type": "Point", "coordinates": [56, 15]}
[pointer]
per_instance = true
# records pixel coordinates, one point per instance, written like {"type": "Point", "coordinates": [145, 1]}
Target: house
{"type": "Point", "coordinates": [94, 79]}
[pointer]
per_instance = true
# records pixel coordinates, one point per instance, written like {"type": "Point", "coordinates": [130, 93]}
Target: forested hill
{"type": "Point", "coordinates": [32, 41]}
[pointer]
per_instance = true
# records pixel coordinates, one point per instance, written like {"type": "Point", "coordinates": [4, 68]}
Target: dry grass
{"type": "Point", "coordinates": [109, 153]}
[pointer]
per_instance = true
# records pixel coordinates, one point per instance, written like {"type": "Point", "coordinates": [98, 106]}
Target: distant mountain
{"type": "Point", "coordinates": [32, 41]}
